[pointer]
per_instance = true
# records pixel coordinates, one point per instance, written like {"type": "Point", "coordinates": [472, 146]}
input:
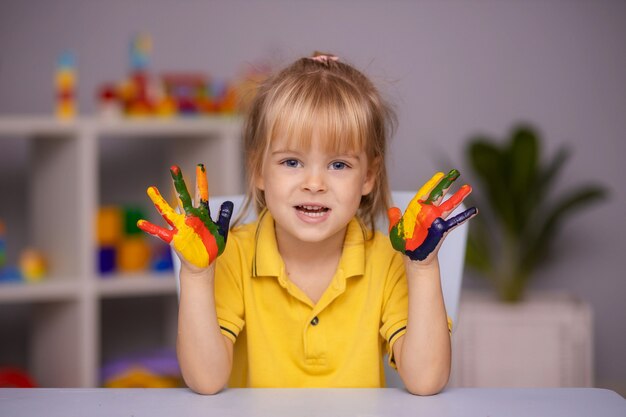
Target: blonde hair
{"type": "Point", "coordinates": [328, 96]}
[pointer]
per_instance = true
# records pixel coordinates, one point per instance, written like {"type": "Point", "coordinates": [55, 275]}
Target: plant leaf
{"type": "Point", "coordinates": [551, 172]}
{"type": "Point", "coordinates": [566, 206]}
{"type": "Point", "coordinates": [523, 155]}
{"type": "Point", "coordinates": [478, 249]}
{"type": "Point", "coordinates": [489, 163]}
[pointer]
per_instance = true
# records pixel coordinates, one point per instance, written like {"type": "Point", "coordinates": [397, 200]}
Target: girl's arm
{"type": "Point", "coordinates": [423, 354]}
{"type": "Point", "coordinates": [204, 354]}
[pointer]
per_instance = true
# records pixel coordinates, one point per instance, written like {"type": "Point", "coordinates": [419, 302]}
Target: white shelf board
{"type": "Point", "coordinates": [155, 127]}
{"type": "Point", "coordinates": [140, 126]}
{"type": "Point", "coordinates": [48, 290]}
{"type": "Point", "coordinates": [130, 285]}
{"type": "Point", "coordinates": [37, 125]}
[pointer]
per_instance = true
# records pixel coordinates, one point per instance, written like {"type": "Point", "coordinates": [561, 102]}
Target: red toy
{"type": "Point", "coordinates": [15, 378]}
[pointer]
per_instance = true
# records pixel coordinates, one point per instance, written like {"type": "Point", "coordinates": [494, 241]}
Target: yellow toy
{"type": "Point", "coordinates": [133, 254]}
{"type": "Point", "coordinates": [33, 265]}
{"type": "Point", "coordinates": [110, 223]}
{"type": "Point", "coordinates": [65, 81]}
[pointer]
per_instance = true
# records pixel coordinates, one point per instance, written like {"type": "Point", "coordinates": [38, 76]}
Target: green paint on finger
{"type": "Point", "coordinates": [396, 236]}
{"type": "Point", "coordinates": [443, 185]}
{"type": "Point", "coordinates": [181, 188]}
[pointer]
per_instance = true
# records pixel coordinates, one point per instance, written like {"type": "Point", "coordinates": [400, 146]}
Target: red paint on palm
{"type": "Point", "coordinates": [425, 218]}
{"type": "Point", "coordinates": [208, 240]}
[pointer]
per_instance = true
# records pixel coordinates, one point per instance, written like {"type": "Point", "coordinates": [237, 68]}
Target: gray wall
{"type": "Point", "coordinates": [453, 69]}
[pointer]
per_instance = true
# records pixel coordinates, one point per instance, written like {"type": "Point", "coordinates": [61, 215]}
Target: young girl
{"type": "Point", "coordinates": [309, 295]}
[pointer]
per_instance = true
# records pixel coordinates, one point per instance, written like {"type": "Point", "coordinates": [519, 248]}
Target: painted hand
{"type": "Point", "coordinates": [194, 236]}
{"type": "Point", "coordinates": [421, 230]}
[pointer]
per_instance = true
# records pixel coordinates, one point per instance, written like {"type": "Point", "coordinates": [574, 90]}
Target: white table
{"type": "Point", "coordinates": [466, 402]}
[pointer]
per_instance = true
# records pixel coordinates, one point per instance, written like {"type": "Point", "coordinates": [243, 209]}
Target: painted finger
{"type": "Point", "coordinates": [453, 202]}
{"type": "Point", "coordinates": [394, 215]}
{"type": "Point", "coordinates": [415, 206]}
{"type": "Point", "coordinates": [461, 218]}
{"type": "Point", "coordinates": [202, 187]}
{"type": "Point", "coordinates": [427, 187]}
{"type": "Point", "coordinates": [196, 197]}
{"type": "Point", "coordinates": [164, 234]}
{"type": "Point", "coordinates": [223, 220]}
{"type": "Point", "coordinates": [439, 191]}
{"type": "Point", "coordinates": [162, 206]}
{"type": "Point", "coordinates": [396, 229]}
{"type": "Point", "coordinates": [181, 188]}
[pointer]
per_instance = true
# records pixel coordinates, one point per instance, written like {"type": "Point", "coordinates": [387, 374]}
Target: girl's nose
{"type": "Point", "coordinates": [314, 181]}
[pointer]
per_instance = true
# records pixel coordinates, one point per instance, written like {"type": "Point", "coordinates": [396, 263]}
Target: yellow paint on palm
{"type": "Point", "coordinates": [413, 210]}
{"type": "Point", "coordinates": [186, 241]}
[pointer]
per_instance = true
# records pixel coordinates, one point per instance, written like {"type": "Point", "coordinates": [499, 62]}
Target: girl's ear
{"type": "Point", "coordinates": [370, 178]}
{"type": "Point", "coordinates": [259, 183]}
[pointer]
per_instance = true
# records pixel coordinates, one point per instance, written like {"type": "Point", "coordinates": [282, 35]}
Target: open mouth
{"type": "Point", "coordinates": [313, 211]}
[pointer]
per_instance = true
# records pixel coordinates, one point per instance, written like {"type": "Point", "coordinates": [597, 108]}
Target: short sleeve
{"type": "Point", "coordinates": [229, 302]}
{"type": "Point", "coordinates": [395, 305]}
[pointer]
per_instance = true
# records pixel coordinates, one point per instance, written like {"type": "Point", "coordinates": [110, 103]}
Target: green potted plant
{"type": "Point", "coordinates": [519, 213]}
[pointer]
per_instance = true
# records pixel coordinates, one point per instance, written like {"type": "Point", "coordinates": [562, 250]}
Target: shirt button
{"type": "Point", "coordinates": [315, 321]}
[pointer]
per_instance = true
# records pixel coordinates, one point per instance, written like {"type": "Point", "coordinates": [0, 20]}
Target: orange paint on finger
{"type": "Point", "coordinates": [202, 183]}
{"type": "Point", "coordinates": [394, 215]}
{"type": "Point", "coordinates": [456, 198]}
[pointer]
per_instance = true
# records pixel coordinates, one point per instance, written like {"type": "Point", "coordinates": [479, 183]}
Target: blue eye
{"type": "Point", "coordinates": [338, 165]}
{"type": "Point", "coordinates": [291, 163]}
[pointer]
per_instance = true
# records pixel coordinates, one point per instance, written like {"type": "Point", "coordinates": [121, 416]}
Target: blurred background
{"type": "Point", "coordinates": [453, 69]}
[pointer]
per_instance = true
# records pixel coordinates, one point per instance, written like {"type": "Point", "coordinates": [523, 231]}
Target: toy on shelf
{"type": "Point", "coordinates": [122, 247]}
{"type": "Point", "coordinates": [7, 273]}
{"type": "Point", "coordinates": [157, 369]}
{"type": "Point", "coordinates": [133, 254]}
{"type": "Point", "coordinates": [171, 94]}
{"type": "Point", "coordinates": [139, 52]}
{"type": "Point", "coordinates": [188, 92]}
{"type": "Point", "coordinates": [108, 101]}
{"type": "Point", "coordinates": [138, 102]}
{"type": "Point", "coordinates": [32, 265]}
{"type": "Point", "coordinates": [109, 232]}
{"type": "Point", "coordinates": [12, 377]}
{"type": "Point", "coordinates": [162, 259]}
{"type": "Point", "coordinates": [65, 79]}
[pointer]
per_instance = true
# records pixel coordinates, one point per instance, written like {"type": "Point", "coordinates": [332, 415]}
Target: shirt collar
{"type": "Point", "coordinates": [267, 260]}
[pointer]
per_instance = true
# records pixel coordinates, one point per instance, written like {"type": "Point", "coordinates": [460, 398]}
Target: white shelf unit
{"type": "Point", "coordinates": [62, 328]}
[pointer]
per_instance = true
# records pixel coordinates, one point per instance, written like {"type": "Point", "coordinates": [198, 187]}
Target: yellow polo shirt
{"type": "Point", "coordinates": [282, 339]}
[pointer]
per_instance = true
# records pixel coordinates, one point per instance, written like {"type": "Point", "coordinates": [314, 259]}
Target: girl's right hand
{"type": "Point", "coordinates": [197, 240]}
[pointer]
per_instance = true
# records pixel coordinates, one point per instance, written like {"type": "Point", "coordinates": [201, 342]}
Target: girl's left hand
{"type": "Point", "coordinates": [421, 230]}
